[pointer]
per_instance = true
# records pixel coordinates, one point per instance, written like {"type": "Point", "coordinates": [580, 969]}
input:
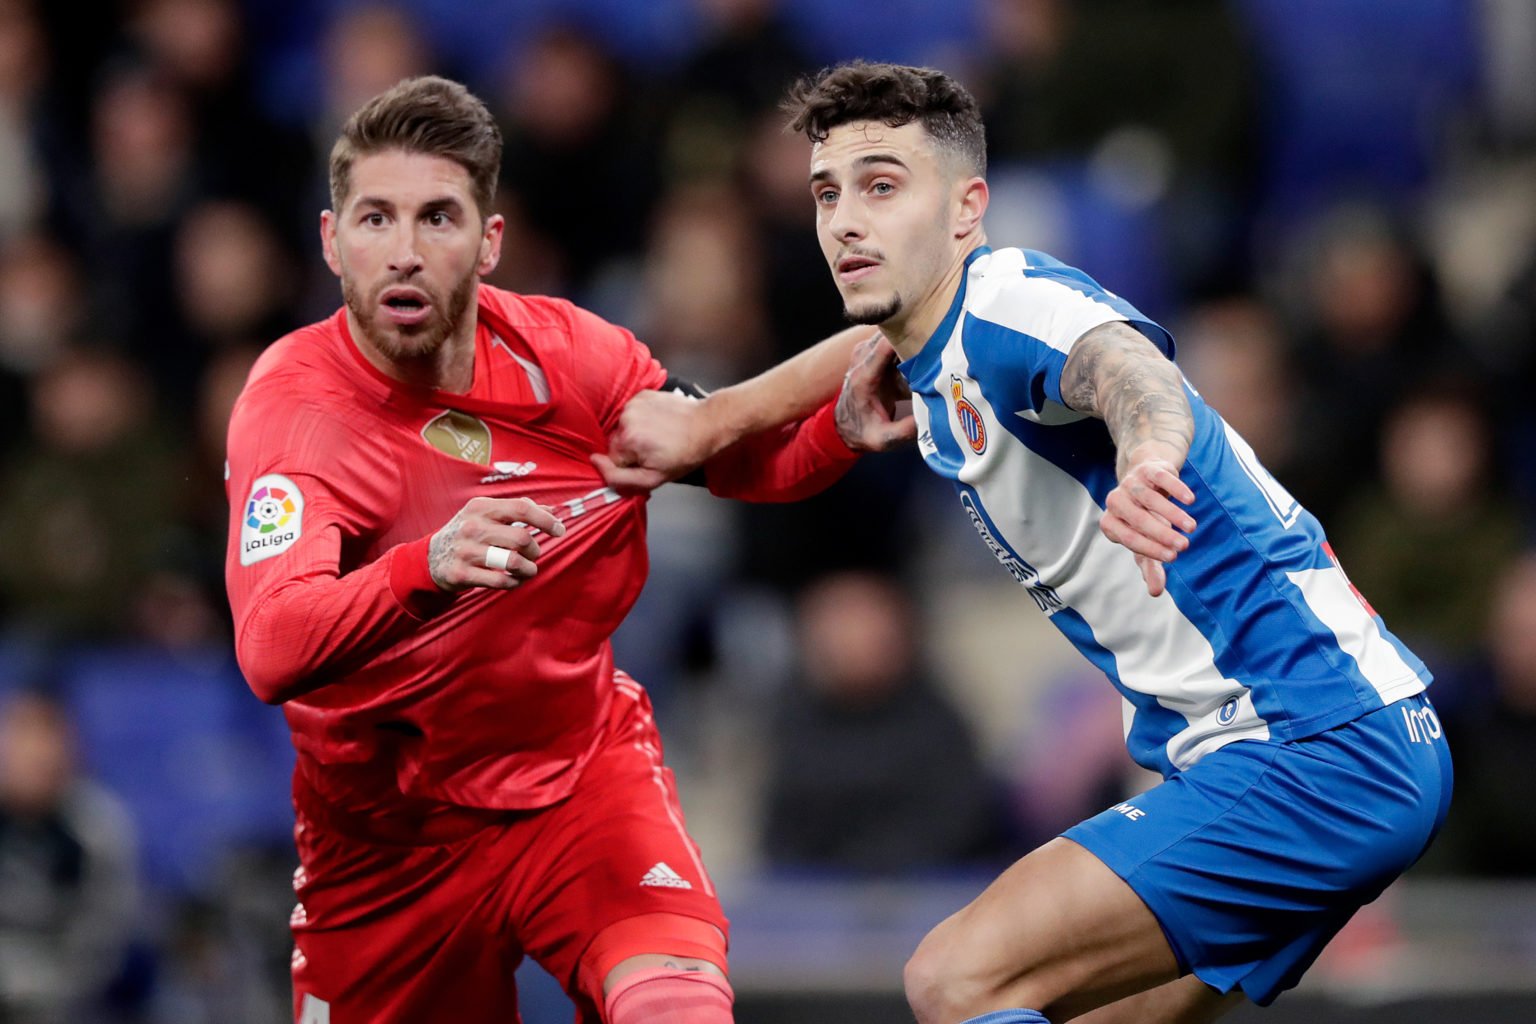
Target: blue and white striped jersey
{"type": "Point", "coordinates": [1259, 636]}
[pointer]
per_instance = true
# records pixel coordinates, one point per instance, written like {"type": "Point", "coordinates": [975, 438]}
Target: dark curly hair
{"type": "Point", "coordinates": [895, 94]}
{"type": "Point", "coordinates": [427, 115]}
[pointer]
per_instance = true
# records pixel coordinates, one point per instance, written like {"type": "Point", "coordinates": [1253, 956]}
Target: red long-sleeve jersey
{"type": "Point", "coordinates": [338, 478]}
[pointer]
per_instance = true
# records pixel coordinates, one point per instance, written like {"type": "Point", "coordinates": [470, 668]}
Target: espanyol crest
{"type": "Point", "coordinates": [970, 420]}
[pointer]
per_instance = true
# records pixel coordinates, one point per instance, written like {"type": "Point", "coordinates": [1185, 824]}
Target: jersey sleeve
{"type": "Point", "coordinates": [788, 463]}
{"type": "Point", "coordinates": [303, 490]}
{"type": "Point", "coordinates": [1039, 316]}
{"type": "Point", "coordinates": [610, 365]}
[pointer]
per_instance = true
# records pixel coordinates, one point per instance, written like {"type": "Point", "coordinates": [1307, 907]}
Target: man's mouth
{"type": "Point", "coordinates": [854, 268]}
{"type": "Point", "coordinates": [405, 306]}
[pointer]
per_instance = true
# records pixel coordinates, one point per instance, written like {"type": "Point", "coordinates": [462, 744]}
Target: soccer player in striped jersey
{"type": "Point", "coordinates": [1304, 767]}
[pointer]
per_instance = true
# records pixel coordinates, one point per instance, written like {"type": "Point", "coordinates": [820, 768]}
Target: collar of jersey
{"type": "Point", "coordinates": [447, 399]}
{"type": "Point", "coordinates": [923, 367]}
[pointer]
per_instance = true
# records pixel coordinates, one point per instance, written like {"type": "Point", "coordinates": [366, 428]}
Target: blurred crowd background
{"type": "Point", "coordinates": [1332, 204]}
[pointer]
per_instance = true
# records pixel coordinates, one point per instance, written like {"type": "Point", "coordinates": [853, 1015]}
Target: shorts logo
{"type": "Point", "coordinates": [970, 420]}
{"type": "Point", "coordinates": [1227, 713]}
{"type": "Point", "coordinates": [1423, 725]}
{"type": "Point", "coordinates": [664, 877]}
{"type": "Point", "coordinates": [274, 519]}
{"type": "Point", "coordinates": [460, 435]}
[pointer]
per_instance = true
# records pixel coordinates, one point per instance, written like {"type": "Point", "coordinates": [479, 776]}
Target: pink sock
{"type": "Point", "coordinates": [666, 995]}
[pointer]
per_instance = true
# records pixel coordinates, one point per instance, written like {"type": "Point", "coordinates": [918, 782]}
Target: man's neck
{"type": "Point", "coordinates": [450, 368]}
{"type": "Point", "coordinates": [908, 333]}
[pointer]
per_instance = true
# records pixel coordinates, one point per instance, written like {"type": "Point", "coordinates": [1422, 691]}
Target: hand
{"type": "Point", "coordinates": [457, 556]}
{"type": "Point", "coordinates": [661, 436]}
{"type": "Point", "coordinates": [1140, 514]}
{"type": "Point", "coordinates": [868, 419]}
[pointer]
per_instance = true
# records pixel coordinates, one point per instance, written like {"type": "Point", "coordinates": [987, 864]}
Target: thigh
{"type": "Point", "coordinates": [1057, 932]}
{"type": "Point", "coordinates": [388, 933]}
{"type": "Point", "coordinates": [617, 849]}
{"type": "Point", "coordinates": [1254, 858]}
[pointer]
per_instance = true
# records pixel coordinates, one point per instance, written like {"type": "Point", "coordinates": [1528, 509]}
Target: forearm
{"type": "Point", "coordinates": [1116, 374]}
{"type": "Point", "coordinates": [302, 633]}
{"type": "Point", "coordinates": [786, 464]}
{"type": "Point", "coordinates": [790, 391]}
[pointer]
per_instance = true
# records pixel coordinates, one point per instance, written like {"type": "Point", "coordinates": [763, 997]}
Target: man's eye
{"type": "Point", "coordinates": [437, 219]}
{"type": "Point", "coordinates": [827, 196]}
{"type": "Point", "coordinates": [374, 220]}
{"type": "Point", "coordinates": [883, 188]}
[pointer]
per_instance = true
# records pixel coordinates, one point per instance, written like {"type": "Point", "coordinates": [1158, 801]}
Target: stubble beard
{"type": "Point", "coordinates": [417, 341]}
{"type": "Point", "coordinates": [873, 315]}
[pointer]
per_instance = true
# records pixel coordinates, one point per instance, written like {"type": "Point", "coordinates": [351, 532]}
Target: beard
{"type": "Point", "coordinates": [874, 314]}
{"type": "Point", "coordinates": [415, 341]}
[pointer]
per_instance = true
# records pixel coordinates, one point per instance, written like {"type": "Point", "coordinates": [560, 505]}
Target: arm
{"type": "Point", "coordinates": [304, 618]}
{"type": "Point", "coordinates": [663, 436]}
{"type": "Point", "coordinates": [1116, 374]}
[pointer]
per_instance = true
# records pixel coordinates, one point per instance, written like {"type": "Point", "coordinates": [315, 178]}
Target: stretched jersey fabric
{"type": "Point", "coordinates": [339, 476]}
{"type": "Point", "coordinates": [1260, 634]}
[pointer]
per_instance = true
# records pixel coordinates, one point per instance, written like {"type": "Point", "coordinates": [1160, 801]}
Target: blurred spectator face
{"type": "Point", "coordinates": [856, 638]}
{"type": "Point", "coordinates": [702, 276]}
{"type": "Point", "coordinates": [368, 50]}
{"type": "Point", "coordinates": [89, 402]}
{"type": "Point", "coordinates": [230, 271]}
{"type": "Point", "coordinates": [143, 136]}
{"type": "Point", "coordinates": [1512, 635]}
{"type": "Point", "coordinates": [1024, 30]}
{"type": "Point", "coordinates": [1435, 454]}
{"type": "Point", "coordinates": [409, 278]}
{"type": "Point", "coordinates": [776, 168]}
{"type": "Point", "coordinates": [563, 88]}
{"type": "Point", "coordinates": [1235, 355]}
{"type": "Point", "coordinates": [1363, 287]}
{"type": "Point", "coordinates": [40, 304]}
{"type": "Point", "coordinates": [196, 41]}
{"type": "Point", "coordinates": [36, 754]}
{"type": "Point", "coordinates": [728, 14]}
{"type": "Point", "coordinates": [22, 52]}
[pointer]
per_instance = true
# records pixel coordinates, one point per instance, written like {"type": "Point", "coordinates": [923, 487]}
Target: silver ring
{"type": "Point", "coordinates": [497, 558]}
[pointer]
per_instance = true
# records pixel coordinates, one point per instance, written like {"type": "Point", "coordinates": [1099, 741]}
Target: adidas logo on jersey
{"type": "Point", "coordinates": [664, 877]}
{"type": "Point", "coordinates": [508, 471]}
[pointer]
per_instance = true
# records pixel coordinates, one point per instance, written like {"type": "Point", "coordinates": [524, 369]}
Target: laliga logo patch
{"type": "Point", "coordinates": [274, 519]}
{"type": "Point", "coordinates": [970, 420]}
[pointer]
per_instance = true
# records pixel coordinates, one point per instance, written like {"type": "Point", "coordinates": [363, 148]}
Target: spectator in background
{"type": "Point", "coordinates": [67, 889]}
{"type": "Point", "coordinates": [1485, 834]}
{"type": "Point", "coordinates": [40, 313]}
{"type": "Point", "coordinates": [1422, 545]}
{"type": "Point", "coordinates": [86, 501]}
{"type": "Point", "coordinates": [873, 769]}
{"type": "Point", "coordinates": [579, 153]}
{"type": "Point", "coordinates": [234, 283]}
{"type": "Point", "coordinates": [23, 63]}
{"type": "Point", "coordinates": [1374, 328]}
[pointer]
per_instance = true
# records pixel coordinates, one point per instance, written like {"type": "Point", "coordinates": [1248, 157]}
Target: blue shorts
{"type": "Point", "coordinates": [1253, 859]}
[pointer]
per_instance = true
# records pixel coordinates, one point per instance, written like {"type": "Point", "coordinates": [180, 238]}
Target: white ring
{"type": "Point", "coordinates": [497, 558]}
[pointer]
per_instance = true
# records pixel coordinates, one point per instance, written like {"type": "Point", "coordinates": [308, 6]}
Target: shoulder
{"type": "Point", "coordinates": [306, 365]}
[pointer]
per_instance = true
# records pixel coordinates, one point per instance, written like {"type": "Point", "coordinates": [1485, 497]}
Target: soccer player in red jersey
{"type": "Point", "coordinates": [425, 567]}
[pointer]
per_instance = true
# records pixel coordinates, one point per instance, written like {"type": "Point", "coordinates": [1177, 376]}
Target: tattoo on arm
{"type": "Point", "coordinates": [1118, 375]}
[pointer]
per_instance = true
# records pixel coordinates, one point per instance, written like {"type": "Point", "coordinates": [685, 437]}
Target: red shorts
{"type": "Point", "coordinates": [391, 926]}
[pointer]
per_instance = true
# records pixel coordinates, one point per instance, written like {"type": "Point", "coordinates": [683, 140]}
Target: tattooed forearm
{"type": "Point", "coordinates": [1116, 374]}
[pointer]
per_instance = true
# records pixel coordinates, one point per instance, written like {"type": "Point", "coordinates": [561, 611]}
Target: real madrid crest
{"type": "Point", "coordinates": [971, 423]}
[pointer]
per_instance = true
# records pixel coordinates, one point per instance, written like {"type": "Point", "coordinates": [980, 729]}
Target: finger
{"type": "Point", "coordinates": [525, 511]}
{"type": "Point", "coordinates": [1149, 525]}
{"type": "Point", "coordinates": [1157, 503]}
{"type": "Point", "coordinates": [1154, 575]}
{"type": "Point", "coordinates": [513, 539]}
{"type": "Point", "coordinates": [901, 432]}
{"type": "Point", "coordinates": [1169, 483]}
{"type": "Point", "coordinates": [490, 579]}
{"type": "Point", "coordinates": [1119, 531]}
{"type": "Point", "coordinates": [627, 480]}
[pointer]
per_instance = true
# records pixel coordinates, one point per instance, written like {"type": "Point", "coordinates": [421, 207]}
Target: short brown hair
{"type": "Point", "coordinates": [895, 94]}
{"type": "Point", "coordinates": [427, 115]}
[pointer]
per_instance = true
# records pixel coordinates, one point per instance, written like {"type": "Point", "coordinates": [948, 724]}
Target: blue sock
{"type": "Point", "coordinates": [1009, 1017]}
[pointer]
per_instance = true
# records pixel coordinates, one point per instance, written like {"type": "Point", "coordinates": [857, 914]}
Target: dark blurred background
{"type": "Point", "coordinates": [1332, 203]}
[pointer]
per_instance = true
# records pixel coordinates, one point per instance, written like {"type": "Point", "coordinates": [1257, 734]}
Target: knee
{"type": "Point", "coordinates": [944, 984]}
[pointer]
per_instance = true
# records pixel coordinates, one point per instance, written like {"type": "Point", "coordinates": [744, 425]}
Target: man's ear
{"type": "Point", "coordinates": [328, 241]}
{"type": "Point", "coordinates": [973, 199]}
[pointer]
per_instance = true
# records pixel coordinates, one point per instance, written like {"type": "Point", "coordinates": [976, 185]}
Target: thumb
{"type": "Point", "coordinates": [627, 480]}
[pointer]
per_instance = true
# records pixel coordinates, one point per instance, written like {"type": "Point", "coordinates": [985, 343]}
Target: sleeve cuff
{"type": "Point", "coordinates": [410, 580]}
{"type": "Point", "coordinates": [821, 431]}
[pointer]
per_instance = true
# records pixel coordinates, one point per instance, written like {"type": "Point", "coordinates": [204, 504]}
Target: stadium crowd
{"type": "Point", "coordinates": [1331, 204]}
